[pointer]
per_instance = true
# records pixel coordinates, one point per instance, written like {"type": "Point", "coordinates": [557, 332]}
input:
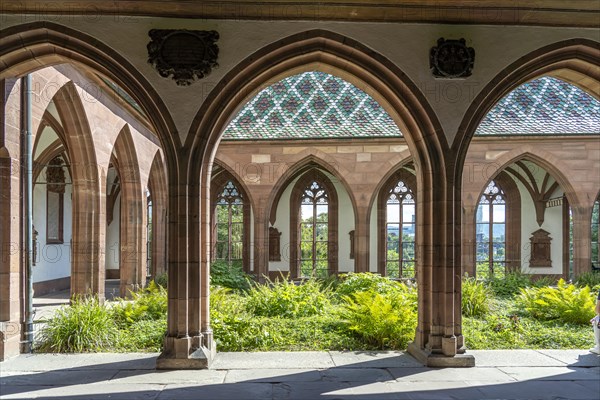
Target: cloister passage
{"type": "Point", "coordinates": [308, 152]}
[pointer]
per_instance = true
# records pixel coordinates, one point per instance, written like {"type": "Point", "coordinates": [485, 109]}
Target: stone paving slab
{"type": "Point", "coordinates": [536, 389]}
{"type": "Point", "coordinates": [273, 375]}
{"type": "Point", "coordinates": [423, 374]}
{"type": "Point", "coordinates": [373, 359]}
{"type": "Point", "coordinates": [551, 373]}
{"type": "Point", "coordinates": [71, 377]}
{"type": "Point", "coordinates": [514, 358]}
{"type": "Point", "coordinates": [45, 361]}
{"type": "Point", "coordinates": [575, 358]}
{"type": "Point", "coordinates": [341, 374]}
{"type": "Point", "coordinates": [519, 374]}
{"type": "Point", "coordinates": [232, 391]}
{"type": "Point", "coordinates": [310, 390]}
{"type": "Point", "coordinates": [436, 390]}
{"type": "Point", "coordinates": [202, 377]}
{"type": "Point", "coordinates": [273, 360]}
{"type": "Point", "coordinates": [84, 392]}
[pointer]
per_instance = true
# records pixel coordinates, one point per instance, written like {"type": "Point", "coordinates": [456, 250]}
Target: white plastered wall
{"type": "Point", "coordinates": [53, 261]}
{"type": "Point", "coordinates": [552, 224]}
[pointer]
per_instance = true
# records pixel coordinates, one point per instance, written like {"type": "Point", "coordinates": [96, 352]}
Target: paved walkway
{"type": "Point", "coordinates": [516, 374]}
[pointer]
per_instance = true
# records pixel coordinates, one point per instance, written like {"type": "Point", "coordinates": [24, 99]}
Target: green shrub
{"type": "Point", "coordinates": [565, 302]}
{"type": "Point", "coordinates": [229, 275]}
{"type": "Point", "coordinates": [544, 281]}
{"type": "Point", "coordinates": [590, 278]}
{"type": "Point", "coordinates": [284, 298]}
{"type": "Point", "coordinates": [364, 281]}
{"type": "Point", "coordinates": [143, 335]}
{"type": "Point", "coordinates": [149, 303]}
{"type": "Point", "coordinates": [85, 325]}
{"type": "Point", "coordinates": [510, 284]}
{"type": "Point", "coordinates": [476, 297]}
{"type": "Point", "coordinates": [493, 331]}
{"type": "Point", "coordinates": [162, 279]}
{"type": "Point", "coordinates": [385, 321]}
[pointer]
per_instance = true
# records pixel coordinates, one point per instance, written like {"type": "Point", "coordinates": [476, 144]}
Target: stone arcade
{"type": "Point", "coordinates": [309, 139]}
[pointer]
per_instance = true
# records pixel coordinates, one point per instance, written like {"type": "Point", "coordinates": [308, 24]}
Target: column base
{"type": "Point", "coordinates": [429, 359]}
{"type": "Point", "coordinates": [180, 354]}
{"type": "Point", "coordinates": [10, 340]}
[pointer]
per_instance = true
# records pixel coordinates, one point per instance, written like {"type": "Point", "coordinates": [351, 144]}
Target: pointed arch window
{"type": "Point", "coordinates": [490, 232]}
{"type": "Point", "coordinates": [314, 226]}
{"type": "Point", "coordinates": [596, 233]}
{"type": "Point", "coordinates": [400, 232]}
{"type": "Point", "coordinates": [231, 218]}
{"type": "Point", "coordinates": [55, 191]}
{"type": "Point", "coordinates": [314, 235]}
{"type": "Point", "coordinates": [397, 214]}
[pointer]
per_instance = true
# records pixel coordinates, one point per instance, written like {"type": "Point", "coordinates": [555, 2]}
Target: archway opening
{"type": "Point", "coordinates": [536, 176]}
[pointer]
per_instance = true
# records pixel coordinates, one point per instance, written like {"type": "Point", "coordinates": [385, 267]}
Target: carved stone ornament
{"type": "Point", "coordinates": [55, 176]}
{"type": "Point", "coordinates": [182, 54]}
{"type": "Point", "coordinates": [451, 59]}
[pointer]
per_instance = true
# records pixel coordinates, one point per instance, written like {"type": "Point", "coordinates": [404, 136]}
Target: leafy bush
{"type": "Point", "coordinates": [149, 303]}
{"type": "Point", "coordinates": [567, 303]}
{"type": "Point", "coordinates": [284, 298]}
{"type": "Point", "coordinates": [229, 275]}
{"type": "Point", "coordinates": [590, 278]}
{"type": "Point", "coordinates": [544, 281]}
{"type": "Point", "coordinates": [85, 325]}
{"type": "Point", "coordinates": [147, 335]}
{"type": "Point", "coordinates": [386, 321]}
{"type": "Point", "coordinates": [162, 279]}
{"type": "Point", "coordinates": [493, 331]}
{"type": "Point", "coordinates": [510, 284]}
{"type": "Point", "coordinates": [476, 297]}
{"type": "Point", "coordinates": [364, 281]}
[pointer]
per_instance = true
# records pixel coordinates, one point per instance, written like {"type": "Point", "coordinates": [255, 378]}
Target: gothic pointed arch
{"type": "Point", "coordinates": [396, 226]}
{"type": "Point", "coordinates": [573, 60]}
{"type": "Point", "coordinates": [313, 226]}
{"type": "Point", "coordinates": [230, 220]}
{"type": "Point", "coordinates": [406, 105]}
{"type": "Point", "coordinates": [502, 193]}
{"type": "Point", "coordinates": [309, 162]}
{"type": "Point", "coordinates": [158, 188]}
{"type": "Point", "coordinates": [132, 254]}
{"type": "Point", "coordinates": [87, 267]}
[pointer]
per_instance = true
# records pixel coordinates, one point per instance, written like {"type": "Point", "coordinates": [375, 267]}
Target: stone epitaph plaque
{"type": "Point", "coordinates": [184, 55]}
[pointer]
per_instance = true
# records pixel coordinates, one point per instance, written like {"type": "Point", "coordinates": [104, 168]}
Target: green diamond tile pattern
{"type": "Point", "coordinates": [308, 106]}
{"type": "Point", "coordinates": [544, 106]}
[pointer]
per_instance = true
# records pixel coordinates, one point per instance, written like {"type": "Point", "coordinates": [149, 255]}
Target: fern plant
{"type": "Point", "coordinates": [284, 298]}
{"type": "Point", "coordinates": [386, 321]}
{"type": "Point", "coordinates": [565, 302]}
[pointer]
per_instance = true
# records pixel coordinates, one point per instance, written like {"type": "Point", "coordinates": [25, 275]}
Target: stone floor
{"type": "Point", "coordinates": [500, 374]}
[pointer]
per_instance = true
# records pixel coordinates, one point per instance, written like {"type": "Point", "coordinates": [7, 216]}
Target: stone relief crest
{"type": "Point", "coordinates": [184, 55]}
{"type": "Point", "coordinates": [451, 59]}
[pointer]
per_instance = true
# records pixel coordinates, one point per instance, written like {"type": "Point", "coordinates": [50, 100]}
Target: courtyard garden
{"type": "Point", "coordinates": [356, 311]}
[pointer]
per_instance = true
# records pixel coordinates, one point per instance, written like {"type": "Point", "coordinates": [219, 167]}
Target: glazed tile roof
{"type": "Point", "coordinates": [311, 105]}
{"type": "Point", "coordinates": [545, 106]}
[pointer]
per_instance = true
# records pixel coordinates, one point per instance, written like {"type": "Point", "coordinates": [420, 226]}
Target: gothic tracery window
{"type": "Point", "coordinates": [491, 232]}
{"type": "Point", "coordinates": [314, 226]}
{"type": "Point", "coordinates": [314, 233]}
{"type": "Point", "coordinates": [400, 232]}
{"type": "Point", "coordinates": [229, 225]}
{"type": "Point", "coordinates": [596, 234]}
